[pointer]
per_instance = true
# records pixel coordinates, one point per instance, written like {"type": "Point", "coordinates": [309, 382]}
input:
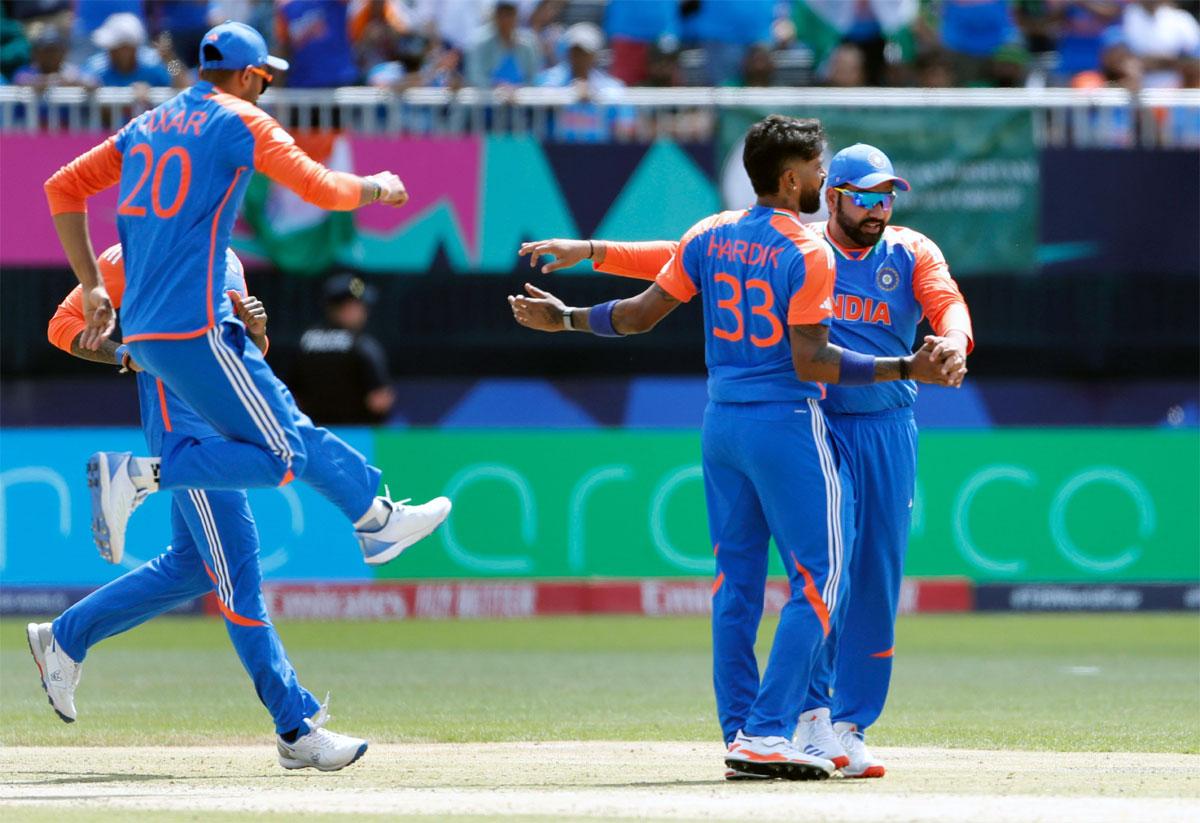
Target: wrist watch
{"type": "Point", "coordinates": [568, 324]}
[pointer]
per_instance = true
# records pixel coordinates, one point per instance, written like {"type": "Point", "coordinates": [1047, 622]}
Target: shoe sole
{"type": "Point", "coordinates": [39, 660]}
{"type": "Point", "coordinates": [98, 479]}
{"type": "Point", "coordinates": [737, 775]}
{"type": "Point", "coordinates": [398, 548]}
{"type": "Point", "coordinates": [289, 763]}
{"type": "Point", "coordinates": [782, 770]}
{"type": "Point", "coordinates": [870, 771]}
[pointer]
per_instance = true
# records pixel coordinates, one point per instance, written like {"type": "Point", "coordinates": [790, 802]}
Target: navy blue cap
{"type": "Point", "coordinates": [862, 166]}
{"type": "Point", "coordinates": [346, 286]}
{"type": "Point", "coordinates": [240, 46]}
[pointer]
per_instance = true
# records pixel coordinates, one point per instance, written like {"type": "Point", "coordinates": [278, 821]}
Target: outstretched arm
{"type": "Point", "coordinates": [542, 311]}
{"type": "Point", "coordinates": [641, 260]}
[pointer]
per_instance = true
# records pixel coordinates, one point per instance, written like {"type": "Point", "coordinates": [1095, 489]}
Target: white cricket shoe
{"type": "Point", "coordinates": [320, 748]}
{"type": "Point", "coordinates": [114, 497]}
{"type": "Point", "coordinates": [60, 674]}
{"type": "Point", "coordinates": [405, 525]}
{"type": "Point", "coordinates": [815, 736]}
{"type": "Point", "coordinates": [775, 757]}
{"type": "Point", "coordinates": [862, 762]}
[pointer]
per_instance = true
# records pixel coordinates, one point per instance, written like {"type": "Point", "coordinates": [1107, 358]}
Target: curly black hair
{"type": "Point", "coordinates": [773, 141]}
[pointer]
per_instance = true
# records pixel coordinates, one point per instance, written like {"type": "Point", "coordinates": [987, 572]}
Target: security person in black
{"type": "Point", "coordinates": [340, 374]}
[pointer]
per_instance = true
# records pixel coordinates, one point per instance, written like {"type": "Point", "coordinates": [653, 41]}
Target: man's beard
{"type": "Point", "coordinates": [810, 201]}
{"type": "Point", "coordinates": [862, 237]}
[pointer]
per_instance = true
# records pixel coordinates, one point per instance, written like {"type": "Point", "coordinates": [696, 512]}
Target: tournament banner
{"type": "Point", "coordinates": [474, 200]}
{"type": "Point", "coordinates": [1097, 506]}
{"type": "Point", "coordinates": [974, 175]}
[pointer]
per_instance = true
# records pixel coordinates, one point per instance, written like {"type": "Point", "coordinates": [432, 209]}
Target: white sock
{"type": "Point", "coordinates": [143, 471]}
{"type": "Point", "coordinates": [375, 517]}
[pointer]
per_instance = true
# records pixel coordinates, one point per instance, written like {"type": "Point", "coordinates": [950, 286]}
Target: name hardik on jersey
{"type": "Point", "coordinates": [758, 271]}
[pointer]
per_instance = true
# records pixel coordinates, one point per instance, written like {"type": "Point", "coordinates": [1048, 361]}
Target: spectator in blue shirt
{"type": "Point", "coordinates": [125, 59]}
{"type": "Point", "coordinates": [314, 37]}
{"type": "Point", "coordinates": [595, 117]}
{"type": "Point", "coordinates": [982, 38]}
{"type": "Point", "coordinates": [633, 27]}
{"type": "Point", "coordinates": [726, 28]}
{"type": "Point", "coordinates": [187, 22]}
{"type": "Point", "coordinates": [506, 55]}
{"type": "Point", "coordinates": [49, 67]}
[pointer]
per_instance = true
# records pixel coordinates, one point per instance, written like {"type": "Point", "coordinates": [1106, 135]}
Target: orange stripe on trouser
{"type": "Point", "coordinates": [887, 653]}
{"type": "Point", "coordinates": [230, 614]}
{"type": "Point", "coordinates": [813, 597]}
{"type": "Point", "coordinates": [162, 402]}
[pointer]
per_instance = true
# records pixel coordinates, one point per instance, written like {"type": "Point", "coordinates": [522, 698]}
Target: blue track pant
{"type": "Point", "coordinates": [770, 471]}
{"type": "Point", "coordinates": [214, 546]}
{"type": "Point", "coordinates": [268, 440]}
{"type": "Point", "coordinates": [855, 668]}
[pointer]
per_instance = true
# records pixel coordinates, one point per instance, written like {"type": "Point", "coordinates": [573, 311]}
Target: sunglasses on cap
{"type": "Point", "coordinates": [869, 199]}
{"type": "Point", "coordinates": [267, 77]}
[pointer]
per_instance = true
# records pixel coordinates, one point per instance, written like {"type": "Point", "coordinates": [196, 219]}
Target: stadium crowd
{"type": "Point", "coordinates": [604, 45]}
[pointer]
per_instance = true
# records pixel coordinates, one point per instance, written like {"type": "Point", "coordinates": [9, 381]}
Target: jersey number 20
{"type": "Point", "coordinates": [185, 181]}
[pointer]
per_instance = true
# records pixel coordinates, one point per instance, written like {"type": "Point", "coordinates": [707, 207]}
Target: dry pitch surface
{"type": "Point", "coordinates": [588, 780]}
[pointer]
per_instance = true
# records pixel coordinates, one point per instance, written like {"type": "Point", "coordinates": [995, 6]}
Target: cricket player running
{"type": "Point", "coordinates": [770, 469]}
{"type": "Point", "coordinates": [183, 168]}
{"type": "Point", "coordinates": [214, 547]}
{"type": "Point", "coordinates": [887, 278]}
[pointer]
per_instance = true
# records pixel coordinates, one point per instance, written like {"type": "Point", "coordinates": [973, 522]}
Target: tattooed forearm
{"type": "Point", "coordinates": [107, 353]}
{"type": "Point", "coordinates": [662, 294]}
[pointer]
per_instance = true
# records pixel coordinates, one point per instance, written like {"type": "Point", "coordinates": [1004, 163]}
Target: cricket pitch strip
{"type": "Point", "coordinates": [587, 781]}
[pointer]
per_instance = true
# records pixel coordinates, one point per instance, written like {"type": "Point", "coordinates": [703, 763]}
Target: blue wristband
{"type": "Point", "coordinates": [857, 369]}
{"type": "Point", "coordinates": [121, 353]}
{"type": "Point", "coordinates": [600, 319]}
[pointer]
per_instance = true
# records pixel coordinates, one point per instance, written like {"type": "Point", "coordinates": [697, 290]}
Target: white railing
{"type": "Point", "coordinates": [1062, 117]}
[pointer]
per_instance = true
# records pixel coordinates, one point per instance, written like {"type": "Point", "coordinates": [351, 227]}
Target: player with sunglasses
{"type": "Point", "coordinates": [887, 278]}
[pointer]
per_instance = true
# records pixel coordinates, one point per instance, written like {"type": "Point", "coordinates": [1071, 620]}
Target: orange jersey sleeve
{"type": "Point", "coordinates": [936, 291]}
{"type": "Point", "coordinates": [641, 260]}
{"type": "Point", "coordinates": [95, 170]}
{"type": "Point", "coordinates": [674, 278]}
{"type": "Point", "coordinates": [278, 157]}
{"type": "Point", "coordinates": [812, 302]}
{"type": "Point", "coordinates": [67, 322]}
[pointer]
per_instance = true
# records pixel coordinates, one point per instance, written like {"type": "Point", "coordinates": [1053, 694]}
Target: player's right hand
{"type": "Point", "coordinates": [566, 253]}
{"type": "Point", "coordinates": [100, 315]}
{"type": "Point", "coordinates": [924, 367]}
{"type": "Point", "coordinates": [540, 311]}
{"type": "Point", "coordinates": [392, 191]}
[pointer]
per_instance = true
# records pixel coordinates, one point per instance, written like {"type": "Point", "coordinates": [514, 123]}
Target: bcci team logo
{"type": "Point", "coordinates": [877, 159]}
{"type": "Point", "coordinates": [887, 278]}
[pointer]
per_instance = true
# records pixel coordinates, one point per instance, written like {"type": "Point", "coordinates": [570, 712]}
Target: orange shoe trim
{"type": "Point", "coordinates": [840, 762]}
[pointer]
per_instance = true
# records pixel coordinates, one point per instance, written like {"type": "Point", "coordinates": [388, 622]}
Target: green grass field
{"type": "Point", "coordinates": [1055, 683]}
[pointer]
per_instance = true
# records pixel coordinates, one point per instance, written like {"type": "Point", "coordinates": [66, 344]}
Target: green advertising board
{"type": "Point", "coordinates": [974, 174]}
{"type": "Point", "coordinates": [1012, 505]}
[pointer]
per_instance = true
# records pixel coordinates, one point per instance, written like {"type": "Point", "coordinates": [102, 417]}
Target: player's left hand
{"type": "Point", "coordinates": [541, 310]}
{"type": "Point", "coordinates": [250, 311]}
{"type": "Point", "coordinates": [951, 352]}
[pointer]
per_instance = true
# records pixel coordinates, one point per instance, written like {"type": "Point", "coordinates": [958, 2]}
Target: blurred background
{"type": "Point", "coordinates": [1054, 152]}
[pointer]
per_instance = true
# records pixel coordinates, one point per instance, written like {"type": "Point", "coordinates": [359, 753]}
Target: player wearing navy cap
{"type": "Point", "coordinates": [887, 278]}
{"type": "Point", "coordinates": [770, 469]}
{"type": "Point", "coordinates": [183, 168]}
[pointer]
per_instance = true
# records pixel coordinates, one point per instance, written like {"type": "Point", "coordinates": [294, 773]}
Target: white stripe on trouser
{"type": "Point", "coordinates": [220, 566]}
{"type": "Point", "coordinates": [253, 401]}
{"type": "Point", "coordinates": [833, 506]}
